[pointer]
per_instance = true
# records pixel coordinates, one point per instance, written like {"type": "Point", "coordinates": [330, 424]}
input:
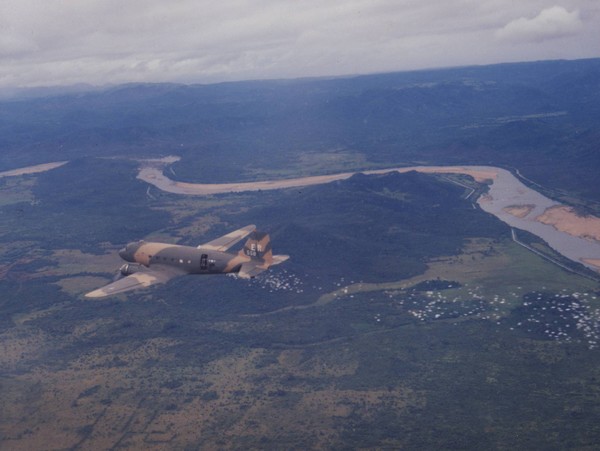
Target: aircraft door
{"type": "Point", "coordinates": [203, 262]}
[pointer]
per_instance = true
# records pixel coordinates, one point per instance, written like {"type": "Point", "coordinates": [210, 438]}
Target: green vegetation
{"type": "Point", "coordinates": [405, 317]}
{"type": "Point", "coordinates": [396, 321]}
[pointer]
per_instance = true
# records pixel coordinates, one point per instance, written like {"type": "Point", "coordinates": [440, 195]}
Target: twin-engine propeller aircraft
{"type": "Point", "coordinates": [153, 263]}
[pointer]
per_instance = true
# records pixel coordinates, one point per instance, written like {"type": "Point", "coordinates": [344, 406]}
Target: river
{"type": "Point", "coordinates": [506, 193]}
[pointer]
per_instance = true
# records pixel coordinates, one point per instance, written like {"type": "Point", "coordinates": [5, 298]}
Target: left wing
{"type": "Point", "coordinates": [140, 279]}
{"type": "Point", "coordinates": [226, 241]}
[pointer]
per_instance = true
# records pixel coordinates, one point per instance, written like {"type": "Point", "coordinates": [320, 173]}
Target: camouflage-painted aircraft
{"type": "Point", "coordinates": [153, 263]}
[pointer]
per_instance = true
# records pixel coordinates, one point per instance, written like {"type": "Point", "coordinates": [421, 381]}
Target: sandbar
{"type": "Point", "coordinates": [33, 169]}
{"type": "Point", "coordinates": [519, 211]}
{"type": "Point", "coordinates": [565, 219]}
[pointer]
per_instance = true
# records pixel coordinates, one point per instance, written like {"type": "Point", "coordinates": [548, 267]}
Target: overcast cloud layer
{"type": "Point", "coordinates": [61, 42]}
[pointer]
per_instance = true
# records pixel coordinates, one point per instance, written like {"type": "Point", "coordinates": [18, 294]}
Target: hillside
{"type": "Point", "coordinates": [542, 118]}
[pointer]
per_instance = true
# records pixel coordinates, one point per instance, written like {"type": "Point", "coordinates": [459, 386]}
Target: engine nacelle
{"type": "Point", "coordinates": [131, 268]}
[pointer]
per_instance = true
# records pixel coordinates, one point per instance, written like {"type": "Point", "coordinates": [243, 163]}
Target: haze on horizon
{"type": "Point", "coordinates": [98, 42]}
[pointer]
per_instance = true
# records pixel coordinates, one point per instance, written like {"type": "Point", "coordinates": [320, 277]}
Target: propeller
{"type": "Point", "coordinates": [124, 270]}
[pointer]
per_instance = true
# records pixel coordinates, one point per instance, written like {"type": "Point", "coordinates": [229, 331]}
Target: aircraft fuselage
{"type": "Point", "coordinates": [155, 263]}
{"type": "Point", "coordinates": [188, 259]}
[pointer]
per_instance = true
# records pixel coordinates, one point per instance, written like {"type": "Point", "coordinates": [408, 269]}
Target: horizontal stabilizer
{"type": "Point", "coordinates": [251, 269]}
{"type": "Point", "coordinates": [255, 267]}
{"type": "Point", "coordinates": [279, 259]}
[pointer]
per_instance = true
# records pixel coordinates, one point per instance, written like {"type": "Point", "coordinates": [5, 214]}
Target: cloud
{"type": "Point", "coordinates": [58, 42]}
{"type": "Point", "coordinates": [551, 23]}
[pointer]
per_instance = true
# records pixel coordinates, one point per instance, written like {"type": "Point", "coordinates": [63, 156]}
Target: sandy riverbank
{"type": "Point", "coordinates": [152, 172]}
{"type": "Point", "coordinates": [595, 262]}
{"type": "Point", "coordinates": [566, 220]}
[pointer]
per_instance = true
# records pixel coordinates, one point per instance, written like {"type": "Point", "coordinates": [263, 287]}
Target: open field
{"type": "Point", "coordinates": [16, 190]}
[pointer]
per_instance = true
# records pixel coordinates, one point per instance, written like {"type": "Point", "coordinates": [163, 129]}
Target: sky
{"type": "Point", "coordinates": [99, 42]}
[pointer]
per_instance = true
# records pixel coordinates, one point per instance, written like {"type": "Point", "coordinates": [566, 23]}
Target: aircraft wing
{"type": "Point", "coordinates": [226, 241]}
{"type": "Point", "coordinates": [140, 279]}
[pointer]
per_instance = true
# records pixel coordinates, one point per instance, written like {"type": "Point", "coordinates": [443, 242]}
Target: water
{"type": "Point", "coordinates": [508, 191]}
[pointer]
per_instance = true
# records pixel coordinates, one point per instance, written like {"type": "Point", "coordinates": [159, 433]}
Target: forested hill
{"type": "Point", "coordinates": [542, 118]}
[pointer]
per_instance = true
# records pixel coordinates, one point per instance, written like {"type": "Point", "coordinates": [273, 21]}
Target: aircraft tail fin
{"type": "Point", "coordinates": [258, 248]}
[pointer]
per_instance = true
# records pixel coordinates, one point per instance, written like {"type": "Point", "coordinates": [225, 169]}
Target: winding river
{"type": "Point", "coordinates": [575, 237]}
{"type": "Point", "coordinates": [508, 199]}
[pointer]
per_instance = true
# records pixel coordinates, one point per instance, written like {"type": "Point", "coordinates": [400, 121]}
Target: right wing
{"type": "Point", "coordinates": [226, 241]}
{"type": "Point", "coordinates": [140, 279]}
